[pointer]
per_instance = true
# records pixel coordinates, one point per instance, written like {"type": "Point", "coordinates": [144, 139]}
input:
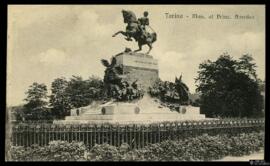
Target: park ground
{"type": "Point", "coordinates": [254, 156]}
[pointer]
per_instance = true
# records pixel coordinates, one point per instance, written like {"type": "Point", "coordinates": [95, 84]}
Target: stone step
{"type": "Point", "coordinates": [137, 117]}
{"type": "Point", "coordinates": [131, 112]}
{"type": "Point", "coordinates": [92, 112]}
{"type": "Point", "coordinates": [128, 120]}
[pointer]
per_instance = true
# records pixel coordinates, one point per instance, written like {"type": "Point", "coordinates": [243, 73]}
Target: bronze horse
{"type": "Point", "coordinates": [182, 90]}
{"type": "Point", "coordinates": [133, 30]}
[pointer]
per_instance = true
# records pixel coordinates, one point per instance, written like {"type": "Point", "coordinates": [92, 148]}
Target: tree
{"type": "Point", "coordinates": [229, 88]}
{"type": "Point", "coordinates": [82, 92]}
{"type": "Point", "coordinates": [17, 112]}
{"type": "Point", "coordinates": [36, 106]}
{"type": "Point", "coordinates": [261, 85]}
{"type": "Point", "coordinates": [59, 99]}
{"type": "Point", "coordinates": [95, 87]}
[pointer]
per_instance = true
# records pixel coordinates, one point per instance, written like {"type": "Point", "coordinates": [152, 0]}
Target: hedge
{"type": "Point", "coordinates": [200, 148]}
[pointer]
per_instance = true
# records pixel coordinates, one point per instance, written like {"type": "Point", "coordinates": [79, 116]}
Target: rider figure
{"type": "Point", "coordinates": [143, 21]}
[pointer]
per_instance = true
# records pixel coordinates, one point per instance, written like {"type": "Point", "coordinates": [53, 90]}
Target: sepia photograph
{"type": "Point", "coordinates": [135, 83]}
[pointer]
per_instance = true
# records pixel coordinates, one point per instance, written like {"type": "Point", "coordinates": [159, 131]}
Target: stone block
{"type": "Point", "coordinates": [193, 110]}
{"type": "Point", "coordinates": [108, 109]}
{"type": "Point", "coordinates": [140, 67]}
{"type": "Point", "coordinates": [127, 108]}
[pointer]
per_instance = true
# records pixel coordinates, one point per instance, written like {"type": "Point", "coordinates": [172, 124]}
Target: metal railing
{"type": "Point", "coordinates": [136, 135]}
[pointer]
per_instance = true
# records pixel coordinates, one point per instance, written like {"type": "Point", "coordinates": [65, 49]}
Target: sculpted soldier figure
{"type": "Point", "coordinates": [115, 87]}
{"type": "Point", "coordinates": [144, 21]}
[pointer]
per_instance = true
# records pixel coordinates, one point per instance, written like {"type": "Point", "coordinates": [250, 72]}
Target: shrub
{"type": "Point", "coordinates": [200, 148]}
{"type": "Point", "coordinates": [103, 152]}
{"type": "Point", "coordinates": [55, 151]}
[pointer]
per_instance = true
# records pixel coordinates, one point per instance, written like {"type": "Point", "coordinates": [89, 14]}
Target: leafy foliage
{"type": "Point", "coordinates": [55, 151]}
{"type": "Point", "coordinates": [17, 112]}
{"type": "Point", "coordinates": [261, 85]}
{"type": "Point", "coordinates": [66, 94]}
{"type": "Point", "coordinates": [36, 106]}
{"type": "Point", "coordinates": [200, 148]}
{"type": "Point", "coordinates": [74, 93]}
{"type": "Point", "coordinates": [229, 88]}
{"type": "Point", "coordinates": [82, 92]}
{"type": "Point", "coordinates": [104, 152]}
{"type": "Point", "coordinates": [59, 99]}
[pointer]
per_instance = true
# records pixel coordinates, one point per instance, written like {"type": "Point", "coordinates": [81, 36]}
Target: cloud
{"type": "Point", "coordinates": [171, 64]}
{"type": "Point", "coordinates": [52, 57]}
{"type": "Point", "coordinates": [88, 27]}
{"type": "Point", "coordinates": [30, 15]}
{"type": "Point", "coordinates": [248, 40]}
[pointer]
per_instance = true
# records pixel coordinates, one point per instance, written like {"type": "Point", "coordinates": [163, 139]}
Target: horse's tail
{"type": "Point", "coordinates": [154, 34]}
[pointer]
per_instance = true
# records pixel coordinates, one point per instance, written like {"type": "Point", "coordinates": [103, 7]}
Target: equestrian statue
{"type": "Point", "coordinates": [136, 28]}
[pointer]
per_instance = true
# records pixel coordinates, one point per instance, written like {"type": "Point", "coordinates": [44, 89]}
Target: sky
{"type": "Point", "coordinates": [47, 42]}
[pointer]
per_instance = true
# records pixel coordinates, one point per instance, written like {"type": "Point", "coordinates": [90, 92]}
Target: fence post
{"type": "Point", "coordinates": [27, 135]}
{"type": "Point", "coordinates": [122, 134]}
{"type": "Point", "coordinates": [16, 134]}
{"type": "Point", "coordinates": [95, 135]}
{"type": "Point", "coordinates": [45, 134]}
{"type": "Point", "coordinates": [131, 136]}
{"type": "Point", "coordinates": [82, 133]}
{"type": "Point", "coordinates": [52, 132]}
{"type": "Point", "coordinates": [155, 133]}
{"type": "Point", "coordinates": [41, 135]}
{"type": "Point", "coordinates": [151, 134]}
{"type": "Point", "coordinates": [134, 128]}
{"type": "Point", "coordinates": [104, 134]}
{"type": "Point", "coordinates": [118, 135]}
{"type": "Point", "coordinates": [77, 128]}
{"type": "Point", "coordinates": [98, 133]}
{"type": "Point", "coordinates": [110, 134]}
{"type": "Point", "coordinates": [92, 138]}
{"type": "Point", "coordinates": [101, 133]}
{"type": "Point", "coordinates": [64, 132]}
{"type": "Point", "coordinates": [159, 133]}
{"type": "Point", "coordinates": [126, 135]}
{"type": "Point", "coordinates": [147, 134]}
{"type": "Point", "coordinates": [38, 134]}
{"type": "Point", "coordinates": [142, 140]}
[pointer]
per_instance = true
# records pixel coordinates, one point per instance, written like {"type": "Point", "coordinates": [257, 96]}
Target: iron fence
{"type": "Point", "coordinates": [136, 135]}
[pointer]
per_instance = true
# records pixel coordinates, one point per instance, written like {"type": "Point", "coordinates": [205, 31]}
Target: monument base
{"type": "Point", "coordinates": [138, 67]}
{"type": "Point", "coordinates": [143, 111]}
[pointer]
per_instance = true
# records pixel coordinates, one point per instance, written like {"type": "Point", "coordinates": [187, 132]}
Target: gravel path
{"type": "Point", "coordinates": [254, 156]}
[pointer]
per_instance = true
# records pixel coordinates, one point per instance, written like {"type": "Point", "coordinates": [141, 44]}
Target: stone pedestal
{"type": "Point", "coordinates": [144, 111]}
{"type": "Point", "coordinates": [140, 67]}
